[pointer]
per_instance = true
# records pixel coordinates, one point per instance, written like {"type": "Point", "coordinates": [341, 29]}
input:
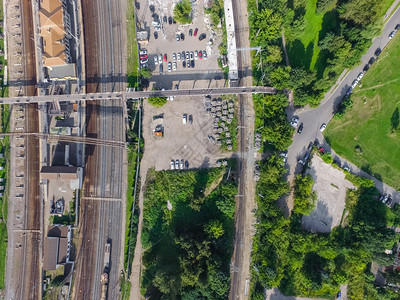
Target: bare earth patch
{"type": "Point", "coordinates": [330, 186]}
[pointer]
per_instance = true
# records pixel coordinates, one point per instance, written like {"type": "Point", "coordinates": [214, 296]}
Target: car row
{"type": "Point", "coordinates": [185, 119]}
{"type": "Point", "coordinates": [175, 165]}
{"type": "Point", "coordinates": [143, 58]}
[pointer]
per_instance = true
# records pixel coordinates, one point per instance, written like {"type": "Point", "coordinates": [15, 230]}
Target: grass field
{"type": "Point", "coordinates": [369, 133]}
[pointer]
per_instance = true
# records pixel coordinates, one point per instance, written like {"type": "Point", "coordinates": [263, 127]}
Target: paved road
{"type": "Point", "coordinates": [313, 118]}
{"type": "Point", "coordinates": [140, 94]}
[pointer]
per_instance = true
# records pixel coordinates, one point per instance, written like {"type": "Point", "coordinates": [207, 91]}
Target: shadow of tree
{"type": "Point", "coordinates": [299, 55]}
{"type": "Point", "coordinates": [394, 120]}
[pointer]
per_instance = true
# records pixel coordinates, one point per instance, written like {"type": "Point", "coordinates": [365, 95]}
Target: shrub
{"type": "Point", "coordinates": [157, 101]}
{"type": "Point", "coordinates": [182, 12]}
{"type": "Point", "coordinates": [327, 158]}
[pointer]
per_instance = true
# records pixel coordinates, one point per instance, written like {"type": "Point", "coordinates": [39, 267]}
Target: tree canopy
{"type": "Point", "coordinates": [182, 12]}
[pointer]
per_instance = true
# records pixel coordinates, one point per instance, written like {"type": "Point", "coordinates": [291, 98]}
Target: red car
{"type": "Point", "coordinates": [200, 55]}
{"type": "Point", "coordinates": [143, 56]}
{"type": "Point", "coordinates": [195, 32]}
{"type": "Point", "coordinates": [165, 57]}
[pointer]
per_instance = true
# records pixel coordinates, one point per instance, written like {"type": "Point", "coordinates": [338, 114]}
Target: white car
{"type": "Point", "coordinates": [196, 54]}
{"type": "Point", "coordinates": [391, 35]}
{"type": "Point", "coordinates": [143, 52]}
{"type": "Point", "coordinates": [184, 119]}
{"type": "Point", "coordinates": [182, 164]}
{"type": "Point", "coordinates": [322, 128]}
{"type": "Point", "coordinates": [174, 66]}
{"type": "Point", "coordinates": [294, 122]}
{"type": "Point", "coordinates": [172, 164]}
{"type": "Point", "coordinates": [360, 76]}
{"type": "Point", "coordinates": [177, 164]}
{"type": "Point", "coordinates": [160, 58]}
{"type": "Point", "coordinates": [169, 66]}
{"type": "Point", "coordinates": [354, 84]}
{"type": "Point", "coordinates": [155, 60]}
{"type": "Point", "coordinates": [178, 56]}
{"type": "Point", "coordinates": [173, 56]}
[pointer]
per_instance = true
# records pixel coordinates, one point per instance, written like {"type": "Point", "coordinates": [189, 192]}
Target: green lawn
{"type": "Point", "coordinates": [374, 125]}
{"type": "Point", "coordinates": [305, 47]}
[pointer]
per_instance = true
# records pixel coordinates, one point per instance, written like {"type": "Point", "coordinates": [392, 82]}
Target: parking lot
{"type": "Point", "coordinates": [189, 142]}
{"type": "Point", "coordinates": [175, 56]}
{"type": "Point", "coordinates": [330, 186]}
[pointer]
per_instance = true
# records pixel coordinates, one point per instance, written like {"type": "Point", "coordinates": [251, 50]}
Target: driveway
{"type": "Point", "coordinates": [313, 118]}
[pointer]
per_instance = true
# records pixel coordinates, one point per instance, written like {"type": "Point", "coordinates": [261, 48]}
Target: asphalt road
{"type": "Point", "coordinates": [312, 119]}
{"type": "Point", "coordinates": [137, 94]}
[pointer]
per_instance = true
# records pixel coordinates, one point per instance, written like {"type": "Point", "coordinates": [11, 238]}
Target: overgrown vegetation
{"type": "Point", "coordinates": [182, 12]}
{"type": "Point", "coordinates": [68, 218]}
{"type": "Point", "coordinates": [157, 101]}
{"type": "Point", "coordinates": [313, 264]}
{"type": "Point", "coordinates": [187, 233]}
{"type": "Point", "coordinates": [322, 39]}
{"type": "Point", "coordinates": [4, 161]}
{"type": "Point", "coordinates": [304, 196]}
{"type": "Point", "coordinates": [271, 120]}
{"type": "Point", "coordinates": [133, 62]}
{"type": "Point", "coordinates": [132, 207]}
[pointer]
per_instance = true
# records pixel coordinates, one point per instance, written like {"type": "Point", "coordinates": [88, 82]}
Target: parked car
{"type": "Point", "coordinates": [397, 27]}
{"type": "Point", "coordinates": [169, 20]}
{"type": "Point", "coordinates": [195, 32]}
{"type": "Point", "coordinates": [190, 32]}
{"type": "Point", "coordinates": [196, 54]}
{"type": "Point", "coordinates": [349, 91]}
{"type": "Point", "coordinates": [191, 54]}
{"type": "Point", "coordinates": [366, 68]}
{"type": "Point", "coordinates": [300, 130]}
{"type": "Point", "coordinates": [322, 128]}
{"type": "Point", "coordinates": [202, 36]}
{"type": "Point", "coordinates": [178, 56]}
{"type": "Point", "coordinates": [360, 76]}
{"type": "Point", "coordinates": [165, 57]}
{"type": "Point", "coordinates": [155, 60]}
{"type": "Point", "coordinates": [192, 63]}
{"type": "Point", "coordinates": [169, 67]}
{"type": "Point", "coordinates": [391, 35]}
{"type": "Point", "coordinates": [200, 55]}
{"type": "Point", "coordinates": [155, 35]}
{"type": "Point", "coordinates": [184, 118]}
{"type": "Point", "coordinates": [187, 55]}
{"type": "Point", "coordinates": [178, 37]}
{"type": "Point", "coordinates": [205, 54]}
{"type": "Point", "coordinates": [339, 295]}
{"type": "Point", "coordinates": [143, 61]}
{"type": "Point", "coordinates": [184, 63]}
{"type": "Point", "coordinates": [294, 122]}
{"type": "Point", "coordinates": [165, 19]}
{"type": "Point", "coordinates": [186, 164]}
{"type": "Point", "coordinates": [160, 58]}
{"type": "Point", "coordinates": [354, 84]}
{"type": "Point", "coordinates": [190, 119]}
{"type": "Point", "coordinates": [378, 51]}
{"type": "Point", "coordinates": [143, 52]}
{"type": "Point", "coordinates": [172, 164]}
{"type": "Point", "coordinates": [182, 36]}
{"type": "Point", "coordinates": [161, 68]}
{"type": "Point", "coordinates": [174, 66]}
{"type": "Point", "coordinates": [177, 164]}
{"type": "Point", "coordinates": [143, 56]}
{"type": "Point", "coordinates": [182, 163]}
{"type": "Point", "coordinates": [173, 56]}
{"type": "Point", "coordinates": [371, 60]}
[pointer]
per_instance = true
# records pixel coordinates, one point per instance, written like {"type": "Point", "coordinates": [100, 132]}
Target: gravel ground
{"type": "Point", "coordinates": [330, 187]}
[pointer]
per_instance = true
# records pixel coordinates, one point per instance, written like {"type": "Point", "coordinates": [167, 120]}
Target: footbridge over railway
{"type": "Point", "coordinates": [140, 94]}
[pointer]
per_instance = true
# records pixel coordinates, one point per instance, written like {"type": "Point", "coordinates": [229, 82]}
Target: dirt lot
{"type": "Point", "coordinates": [330, 187]}
{"type": "Point", "coordinates": [180, 141]}
{"type": "Point", "coordinates": [205, 70]}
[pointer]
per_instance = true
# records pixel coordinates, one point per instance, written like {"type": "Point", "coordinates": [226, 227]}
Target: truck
{"type": "Point", "coordinates": [106, 270]}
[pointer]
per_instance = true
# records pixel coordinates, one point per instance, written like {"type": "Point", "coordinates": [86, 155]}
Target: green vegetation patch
{"type": "Point", "coordinates": [133, 62]}
{"type": "Point", "coordinates": [187, 234]}
{"type": "Point", "coordinates": [301, 263]}
{"type": "Point", "coordinates": [369, 134]}
{"type": "Point", "coordinates": [182, 12]}
{"type": "Point", "coordinates": [157, 101]}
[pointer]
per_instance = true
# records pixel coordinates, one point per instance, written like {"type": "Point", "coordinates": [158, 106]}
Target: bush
{"type": "Point", "coordinates": [304, 196]}
{"type": "Point", "coordinates": [182, 12]}
{"type": "Point", "coordinates": [327, 158]}
{"type": "Point", "coordinates": [157, 101]}
{"type": "Point", "coordinates": [146, 72]}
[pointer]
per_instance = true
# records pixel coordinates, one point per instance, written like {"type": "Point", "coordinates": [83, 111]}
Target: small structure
{"type": "Point", "coordinates": [142, 37]}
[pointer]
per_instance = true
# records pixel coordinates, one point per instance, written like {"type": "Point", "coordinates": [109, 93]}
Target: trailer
{"type": "Point", "coordinates": [106, 270]}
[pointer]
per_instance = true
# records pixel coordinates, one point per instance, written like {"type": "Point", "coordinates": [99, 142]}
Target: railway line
{"type": "Point", "coordinates": [104, 44]}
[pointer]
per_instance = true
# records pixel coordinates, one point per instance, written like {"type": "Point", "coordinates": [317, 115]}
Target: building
{"type": "Point", "coordinates": [57, 247]}
{"type": "Point", "coordinates": [55, 31]}
{"type": "Point", "coordinates": [60, 175]}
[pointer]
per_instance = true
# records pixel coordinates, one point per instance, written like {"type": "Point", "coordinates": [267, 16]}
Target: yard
{"type": "Point", "coordinates": [369, 133]}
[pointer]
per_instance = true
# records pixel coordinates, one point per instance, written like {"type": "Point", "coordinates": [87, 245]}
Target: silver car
{"type": "Point", "coordinates": [177, 164]}
{"type": "Point", "coordinates": [182, 163]}
{"type": "Point", "coordinates": [155, 60]}
{"type": "Point", "coordinates": [172, 164]}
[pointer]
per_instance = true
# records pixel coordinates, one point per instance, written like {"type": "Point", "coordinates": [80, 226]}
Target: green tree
{"type": "Point", "coordinates": [157, 101]}
{"type": "Point", "coordinates": [214, 228]}
{"type": "Point", "coordinates": [325, 5]}
{"type": "Point", "coordinates": [274, 54]}
{"type": "Point", "coordinates": [361, 12]}
{"type": "Point", "coordinates": [146, 72]}
{"type": "Point", "coordinates": [267, 26]}
{"type": "Point", "coordinates": [182, 12]}
{"type": "Point", "coordinates": [327, 158]}
{"type": "Point", "coordinates": [304, 196]}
